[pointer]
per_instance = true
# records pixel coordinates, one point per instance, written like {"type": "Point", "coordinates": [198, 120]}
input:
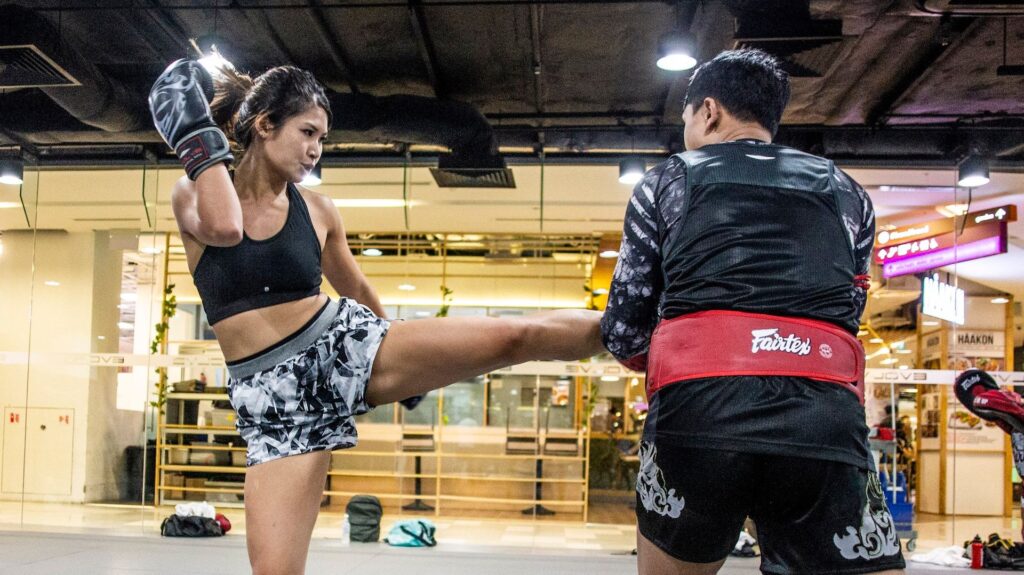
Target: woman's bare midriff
{"type": "Point", "coordinates": [253, 331]}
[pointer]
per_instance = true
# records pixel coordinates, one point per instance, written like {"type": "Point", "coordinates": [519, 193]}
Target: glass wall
{"type": "Point", "coordinates": [114, 389]}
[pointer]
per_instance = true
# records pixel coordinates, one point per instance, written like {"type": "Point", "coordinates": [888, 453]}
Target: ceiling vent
{"type": "Point", "coordinates": [26, 66]}
{"type": "Point", "coordinates": [805, 48]}
{"type": "Point", "coordinates": [459, 172]}
{"type": "Point", "coordinates": [972, 7]}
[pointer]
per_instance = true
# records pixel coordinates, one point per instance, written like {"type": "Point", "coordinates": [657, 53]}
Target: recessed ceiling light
{"type": "Point", "coordinates": [370, 203]}
{"type": "Point", "coordinates": [609, 378]}
{"type": "Point", "coordinates": [929, 323]}
{"type": "Point", "coordinates": [1000, 300]}
{"type": "Point", "coordinates": [608, 254]}
{"type": "Point", "coordinates": [372, 252]}
{"type": "Point", "coordinates": [876, 340]}
{"type": "Point", "coordinates": [889, 361]}
{"type": "Point", "coordinates": [600, 291]}
{"type": "Point", "coordinates": [407, 287]}
{"type": "Point", "coordinates": [52, 283]}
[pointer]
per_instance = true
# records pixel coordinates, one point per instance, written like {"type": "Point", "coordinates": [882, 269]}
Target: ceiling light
{"type": "Point", "coordinates": [372, 252]}
{"type": "Point", "coordinates": [929, 323]}
{"type": "Point", "coordinates": [101, 337]}
{"type": "Point", "coordinates": [370, 203]}
{"type": "Point", "coordinates": [9, 205]}
{"type": "Point", "coordinates": [407, 287]}
{"type": "Point", "coordinates": [956, 209]}
{"type": "Point", "coordinates": [313, 177]}
{"type": "Point", "coordinates": [889, 361]}
{"type": "Point", "coordinates": [609, 378]}
{"type": "Point", "coordinates": [904, 366]}
{"type": "Point", "coordinates": [905, 351]}
{"type": "Point", "coordinates": [125, 325]}
{"type": "Point", "coordinates": [972, 172]}
{"type": "Point", "coordinates": [1000, 299]}
{"type": "Point", "coordinates": [600, 291]}
{"type": "Point", "coordinates": [151, 250]}
{"type": "Point", "coordinates": [422, 313]}
{"type": "Point", "coordinates": [12, 171]}
{"type": "Point", "coordinates": [51, 283]}
{"type": "Point", "coordinates": [631, 170]}
{"type": "Point", "coordinates": [675, 51]}
{"type": "Point", "coordinates": [214, 62]}
{"type": "Point", "coordinates": [876, 340]}
{"type": "Point", "coordinates": [609, 254]}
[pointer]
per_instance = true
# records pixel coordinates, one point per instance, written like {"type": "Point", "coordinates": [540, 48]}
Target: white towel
{"type": "Point", "coordinates": [948, 556]}
{"type": "Point", "coordinates": [203, 509]}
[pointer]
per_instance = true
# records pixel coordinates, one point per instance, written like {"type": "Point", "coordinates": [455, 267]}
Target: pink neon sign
{"type": "Point", "coordinates": [964, 252]}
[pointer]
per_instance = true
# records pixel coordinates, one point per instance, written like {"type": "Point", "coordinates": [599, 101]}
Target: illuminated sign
{"type": "Point", "coordinates": [944, 257]}
{"type": "Point", "coordinates": [941, 300]}
{"type": "Point", "coordinates": [907, 249]}
{"type": "Point", "coordinates": [1006, 213]}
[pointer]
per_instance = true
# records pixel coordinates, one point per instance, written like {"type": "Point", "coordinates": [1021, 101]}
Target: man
{"type": "Point", "coordinates": [751, 260]}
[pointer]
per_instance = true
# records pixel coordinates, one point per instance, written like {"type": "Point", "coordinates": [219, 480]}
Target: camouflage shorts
{"type": "Point", "coordinates": [302, 394]}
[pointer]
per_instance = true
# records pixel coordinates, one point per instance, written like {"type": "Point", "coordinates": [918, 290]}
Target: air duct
{"type": "Point", "coordinates": [474, 161]}
{"type": "Point", "coordinates": [31, 57]}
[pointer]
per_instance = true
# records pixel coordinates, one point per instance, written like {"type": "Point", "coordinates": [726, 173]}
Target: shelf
{"type": "Point", "coordinates": [200, 430]}
{"type": "Point", "coordinates": [199, 396]}
{"type": "Point", "coordinates": [399, 496]}
{"type": "Point", "coordinates": [507, 456]}
{"type": "Point", "coordinates": [204, 468]}
{"type": "Point", "coordinates": [381, 474]}
{"type": "Point", "coordinates": [169, 446]}
{"type": "Point", "coordinates": [580, 481]}
{"type": "Point", "coordinates": [202, 489]}
{"type": "Point", "coordinates": [552, 502]}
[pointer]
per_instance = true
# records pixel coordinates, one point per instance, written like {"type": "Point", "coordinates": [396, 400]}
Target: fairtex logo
{"type": "Point", "coordinates": [770, 340]}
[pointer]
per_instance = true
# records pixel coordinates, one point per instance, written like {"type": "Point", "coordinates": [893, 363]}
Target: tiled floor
{"type": "Point", "coordinates": [90, 534]}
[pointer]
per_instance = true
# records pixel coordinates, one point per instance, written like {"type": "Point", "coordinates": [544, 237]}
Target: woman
{"type": "Point", "coordinates": [302, 366]}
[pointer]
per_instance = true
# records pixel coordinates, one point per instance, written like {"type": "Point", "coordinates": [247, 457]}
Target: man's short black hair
{"type": "Point", "coordinates": [749, 84]}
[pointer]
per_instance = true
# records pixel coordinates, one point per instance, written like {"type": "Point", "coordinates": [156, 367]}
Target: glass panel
{"type": "Point", "coordinates": [464, 403]}
{"type": "Point", "coordinates": [18, 211]}
{"type": "Point", "coordinates": [512, 401]}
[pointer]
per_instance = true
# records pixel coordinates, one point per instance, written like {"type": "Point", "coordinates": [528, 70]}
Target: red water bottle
{"type": "Point", "coordinates": [977, 553]}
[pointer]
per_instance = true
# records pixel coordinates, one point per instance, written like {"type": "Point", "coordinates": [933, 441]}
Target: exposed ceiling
{"type": "Point", "coordinates": [896, 91]}
{"type": "Point", "coordinates": [875, 82]}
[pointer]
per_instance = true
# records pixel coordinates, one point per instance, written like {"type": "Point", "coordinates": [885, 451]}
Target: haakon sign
{"type": "Point", "coordinates": [938, 243]}
{"type": "Point", "coordinates": [942, 300]}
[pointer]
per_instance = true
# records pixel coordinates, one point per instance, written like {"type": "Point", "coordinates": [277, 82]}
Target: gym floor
{"type": "Point", "coordinates": [51, 553]}
{"type": "Point", "coordinates": [51, 538]}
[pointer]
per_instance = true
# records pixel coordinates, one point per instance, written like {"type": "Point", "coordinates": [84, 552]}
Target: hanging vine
{"type": "Point", "coordinates": [159, 344]}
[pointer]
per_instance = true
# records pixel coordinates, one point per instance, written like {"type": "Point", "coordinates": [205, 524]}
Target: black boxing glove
{"type": "Point", "coordinates": [179, 101]}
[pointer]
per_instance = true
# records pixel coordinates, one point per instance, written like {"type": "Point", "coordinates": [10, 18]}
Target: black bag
{"type": "Point", "coordinates": [191, 526]}
{"type": "Point", "coordinates": [364, 518]}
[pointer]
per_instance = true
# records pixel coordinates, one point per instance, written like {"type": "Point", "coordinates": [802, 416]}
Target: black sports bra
{"type": "Point", "coordinates": [260, 273]}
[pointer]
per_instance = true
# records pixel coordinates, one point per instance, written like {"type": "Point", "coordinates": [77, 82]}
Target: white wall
{"type": "Point", "coordinates": [65, 318]}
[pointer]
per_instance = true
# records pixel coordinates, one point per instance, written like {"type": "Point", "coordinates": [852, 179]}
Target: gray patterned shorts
{"type": "Point", "coordinates": [302, 394]}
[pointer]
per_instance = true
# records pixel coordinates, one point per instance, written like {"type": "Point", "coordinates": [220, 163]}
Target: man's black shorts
{"type": "Point", "coordinates": [812, 516]}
